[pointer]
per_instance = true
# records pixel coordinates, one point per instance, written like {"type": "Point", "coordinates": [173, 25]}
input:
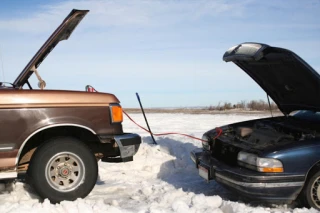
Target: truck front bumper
{"type": "Point", "coordinates": [128, 144]}
{"type": "Point", "coordinates": [253, 185]}
{"type": "Point", "coordinates": [119, 148]}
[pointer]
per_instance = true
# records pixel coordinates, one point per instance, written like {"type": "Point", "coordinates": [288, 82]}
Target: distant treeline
{"type": "Point", "coordinates": [254, 105]}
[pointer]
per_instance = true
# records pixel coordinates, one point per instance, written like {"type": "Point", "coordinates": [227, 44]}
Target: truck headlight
{"type": "Point", "coordinates": [252, 161]}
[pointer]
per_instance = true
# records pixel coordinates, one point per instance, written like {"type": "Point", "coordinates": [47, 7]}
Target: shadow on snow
{"type": "Point", "coordinates": [182, 173]}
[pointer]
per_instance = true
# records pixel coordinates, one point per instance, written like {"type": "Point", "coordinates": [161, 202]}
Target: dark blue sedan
{"type": "Point", "coordinates": [274, 159]}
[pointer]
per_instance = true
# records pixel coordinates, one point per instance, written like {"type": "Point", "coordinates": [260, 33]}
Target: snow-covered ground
{"type": "Point", "coordinates": [162, 178]}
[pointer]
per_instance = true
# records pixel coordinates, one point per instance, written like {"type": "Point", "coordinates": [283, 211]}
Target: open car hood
{"type": "Point", "coordinates": [63, 32]}
{"type": "Point", "coordinates": [286, 78]}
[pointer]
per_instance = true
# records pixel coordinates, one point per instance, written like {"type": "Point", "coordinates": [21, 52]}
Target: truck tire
{"type": "Point", "coordinates": [63, 169]}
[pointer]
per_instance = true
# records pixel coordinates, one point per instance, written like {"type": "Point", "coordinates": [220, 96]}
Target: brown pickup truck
{"type": "Point", "coordinates": [55, 137]}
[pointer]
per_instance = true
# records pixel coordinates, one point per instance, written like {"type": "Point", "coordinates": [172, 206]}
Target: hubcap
{"type": "Point", "coordinates": [315, 192]}
{"type": "Point", "coordinates": [65, 171]}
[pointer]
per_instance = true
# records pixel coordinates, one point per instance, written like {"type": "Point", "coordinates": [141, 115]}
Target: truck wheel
{"type": "Point", "coordinates": [63, 169]}
{"type": "Point", "coordinates": [312, 191]}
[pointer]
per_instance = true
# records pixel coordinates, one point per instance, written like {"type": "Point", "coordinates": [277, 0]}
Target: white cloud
{"type": "Point", "coordinates": [146, 13]}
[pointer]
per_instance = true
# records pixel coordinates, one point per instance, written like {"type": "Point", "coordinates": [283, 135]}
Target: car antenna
{"type": "Point", "coordinates": [269, 104]}
{"type": "Point", "coordinates": [2, 69]}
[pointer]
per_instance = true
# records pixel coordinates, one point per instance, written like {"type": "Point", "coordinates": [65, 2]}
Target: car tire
{"type": "Point", "coordinates": [312, 191]}
{"type": "Point", "coordinates": [63, 169]}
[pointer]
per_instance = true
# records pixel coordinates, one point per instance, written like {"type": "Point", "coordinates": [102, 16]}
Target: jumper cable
{"type": "Point", "coordinates": [218, 130]}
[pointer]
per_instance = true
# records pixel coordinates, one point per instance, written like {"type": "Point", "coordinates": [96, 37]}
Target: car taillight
{"type": "Point", "coordinates": [116, 113]}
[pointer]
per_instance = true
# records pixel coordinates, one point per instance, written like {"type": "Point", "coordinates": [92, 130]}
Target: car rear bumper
{"type": "Point", "coordinates": [272, 187]}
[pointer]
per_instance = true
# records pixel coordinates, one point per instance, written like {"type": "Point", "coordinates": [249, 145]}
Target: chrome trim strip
{"type": "Point", "coordinates": [32, 105]}
{"type": "Point", "coordinates": [7, 175]}
{"type": "Point", "coordinates": [48, 127]}
{"type": "Point", "coordinates": [7, 148]}
{"type": "Point", "coordinates": [259, 185]}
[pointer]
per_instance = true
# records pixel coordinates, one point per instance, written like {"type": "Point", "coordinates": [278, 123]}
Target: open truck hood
{"type": "Point", "coordinates": [286, 78]}
{"type": "Point", "coordinates": [63, 32]}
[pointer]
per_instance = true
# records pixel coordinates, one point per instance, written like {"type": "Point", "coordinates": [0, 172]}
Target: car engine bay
{"type": "Point", "coordinates": [259, 135]}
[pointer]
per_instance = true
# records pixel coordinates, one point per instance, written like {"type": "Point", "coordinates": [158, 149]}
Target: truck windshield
{"type": "Point", "coordinates": [308, 115]}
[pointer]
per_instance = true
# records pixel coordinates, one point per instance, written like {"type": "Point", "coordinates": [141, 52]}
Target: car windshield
{"type": "Point", "coordinates": [308, 115]}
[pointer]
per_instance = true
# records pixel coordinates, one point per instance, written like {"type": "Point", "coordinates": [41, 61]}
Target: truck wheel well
{"type": "Point", "coordinates": [65, 131]}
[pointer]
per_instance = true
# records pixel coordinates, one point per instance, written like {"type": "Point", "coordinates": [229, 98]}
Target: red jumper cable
{"type": "Point", "coordinates": [218, 129]}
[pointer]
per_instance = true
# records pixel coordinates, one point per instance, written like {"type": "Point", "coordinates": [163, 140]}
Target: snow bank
{"type": "Point", "coordinates": [162, 178]}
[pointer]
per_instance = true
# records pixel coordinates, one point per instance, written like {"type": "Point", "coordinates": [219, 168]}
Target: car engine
{"type": "Point", "coordinates": [257, 136]}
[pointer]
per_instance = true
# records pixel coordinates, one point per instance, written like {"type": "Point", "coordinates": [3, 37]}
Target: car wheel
{"type": "Point", "coordinates": [63, 169]}
{"type": "Point", "coordinates": [312, 191]}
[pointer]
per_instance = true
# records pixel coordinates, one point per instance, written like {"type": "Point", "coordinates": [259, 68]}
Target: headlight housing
{"type": "Point", "coordinates": [205, 142]}
{"type": "Point", "coordinates": [254, 162]}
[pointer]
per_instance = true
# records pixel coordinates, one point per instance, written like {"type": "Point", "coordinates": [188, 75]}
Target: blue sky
{"type": "Point", "coordinates": [169, 51]}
